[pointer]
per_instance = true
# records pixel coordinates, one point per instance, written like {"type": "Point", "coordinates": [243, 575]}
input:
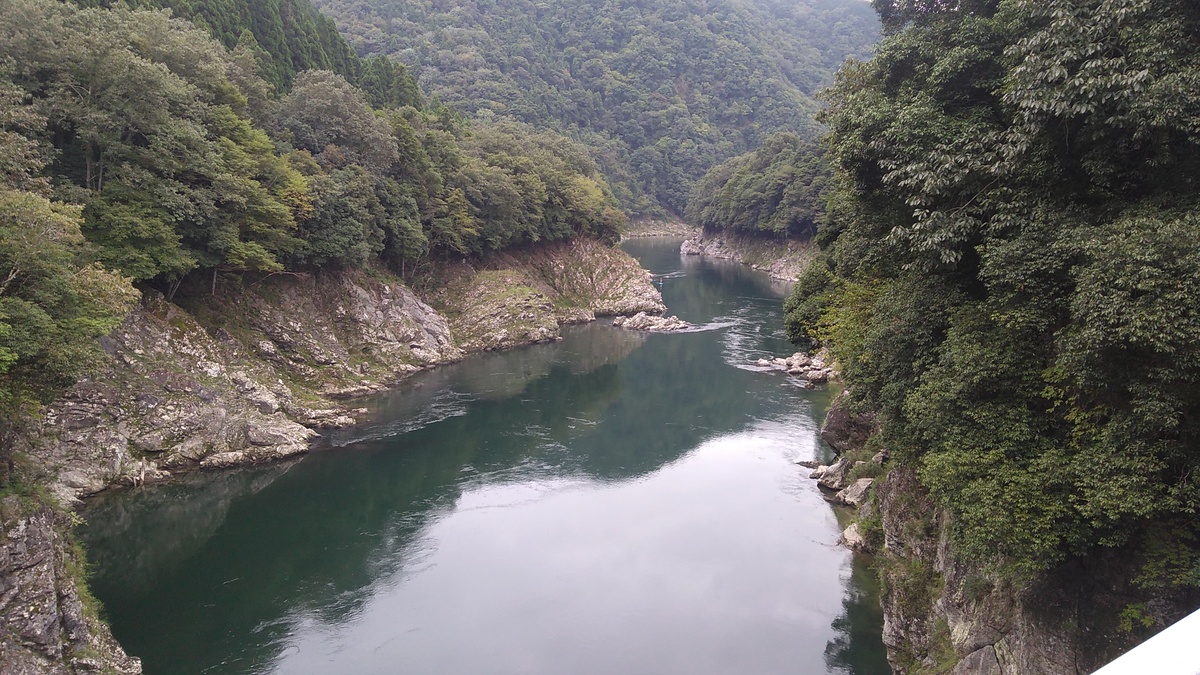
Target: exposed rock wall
{"type": "Point", "coordinates": [943, 615]}
{"type": "Point", "coordinates": [784, 260]}
{"type": "Point", "coordinates": [45, 625]}
{"type": "Point", "coordinates": [523, 297]}
{"type": "Point", "coordinates": [243, 374]}
{"type": "Point", "coordinates": [655, 227]}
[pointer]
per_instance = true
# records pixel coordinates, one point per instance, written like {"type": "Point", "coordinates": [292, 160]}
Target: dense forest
{"type": "Point", "coordinates": [289, 37]}
{"type": "Point", "coordinates": [1011, 273]}
{"type": "Point", "coordinates": [660, 92]}
{"type": "Point", "coordinates": [777, 190]}
{"type": "Point", "coordinates": [137, 150]}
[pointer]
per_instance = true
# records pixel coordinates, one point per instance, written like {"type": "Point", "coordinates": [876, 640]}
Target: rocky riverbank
{"type": "Point", "coordinates": [245, 371]}
{"type": "Point", "coordinates": [245, 374]}
{"type": "Point", "coordinates": [783, 260]}
{"type": "Point", "coordinates": [48, 622]}
{"type": "Point", "coordinates": [942, 615]}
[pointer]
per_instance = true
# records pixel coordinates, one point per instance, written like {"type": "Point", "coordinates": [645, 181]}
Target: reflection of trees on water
{"type": "Point", "coordinates": [179, 519]}
{"type": "Point", "coordinates": [856, 648]}
{"type": "Point", "coordinates": [215, 572]}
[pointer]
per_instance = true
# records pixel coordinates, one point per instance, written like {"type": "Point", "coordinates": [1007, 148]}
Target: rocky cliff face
{"type": "Point", "coordinates": [942, 615]}
{"type": "Point", "coordinates": [523, 297]}
{"type": "Point", "coordinates": [46, 626]}
{"type": "Point", "coordinates": [784, 260]}
{"type": "Point", "coordinates": [245, 373]}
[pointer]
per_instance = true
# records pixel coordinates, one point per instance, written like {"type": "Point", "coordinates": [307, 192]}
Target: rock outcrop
{"type": "Point", "coordinates": [855, 494]}
{"type": "Point", "coordinates": [844, 429]}
{"type": "Point", "coordinates": [834, 477]}
{"type": "Point", "coordinates": [940, 610]}
{"type": "Point", "coordinates": [46, 626]}
{"type": "Point", "coordinates": [810, 368]}
{"type": "Point", "coordinates": [523, 297]}
{"type": "Point", "coordinates": [653, 324]}
{"type": "Point", "coordinates": [243, 374]}
{"type": "Point", "coordinates": [785, 260]}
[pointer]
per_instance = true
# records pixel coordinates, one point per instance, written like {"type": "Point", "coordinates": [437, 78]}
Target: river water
{"type": "Point", "coordinates": [615, 502]}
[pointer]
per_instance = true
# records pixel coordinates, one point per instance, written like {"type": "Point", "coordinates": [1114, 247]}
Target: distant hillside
{"type": "Point", "coordinates": [289, 37]}
{"type": "Point", "coordinates": [660, 92]}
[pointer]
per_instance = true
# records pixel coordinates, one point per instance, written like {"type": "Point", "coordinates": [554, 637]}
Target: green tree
{"type": "Point", "coordinates": [1013, 256]}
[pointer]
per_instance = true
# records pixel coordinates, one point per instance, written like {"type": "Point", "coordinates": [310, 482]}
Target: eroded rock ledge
{"type": "Point", "coordinates": [46, 626]}
{"type": "Point", "coordinates": [652, 324]}
{"type": "Point", "coordinates": [785, 260]}
{"type": "Point", "coordinates": [245, 374]}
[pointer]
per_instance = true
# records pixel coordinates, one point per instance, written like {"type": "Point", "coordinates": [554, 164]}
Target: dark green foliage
{"type": "Point", "coordinates": [1014, 259]}
{"type": "Point", "coordinates": [324, 113]}
{"type": "Point", "coordinates": [288, 37]}
{"type": "Point", "coordinates": [658, 91]}
{"type": "Point", "coordinates": [150, 120]}
{"type": "Point", "coordinates": [778, 190]}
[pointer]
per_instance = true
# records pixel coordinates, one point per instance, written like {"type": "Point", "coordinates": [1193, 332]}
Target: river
{"type": "Point", "coordinates": [614, 502]}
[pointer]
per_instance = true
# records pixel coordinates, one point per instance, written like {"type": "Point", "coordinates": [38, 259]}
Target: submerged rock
{"type": "Point", "coordinates": [646, 322]}
{"type": "Point", "coordinates": [810, 368]}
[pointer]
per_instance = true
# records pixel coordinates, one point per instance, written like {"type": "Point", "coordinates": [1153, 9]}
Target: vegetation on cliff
{"type": "Point", "coordinates": [777, 190]}
{"type": "Point", "coordinates": [289, 37]}
{"type": "Point", "coordinates": [658, 91]}
{"type": "Point", "coordinates": [1012, 272]}
{"type": "Point", "coordinates": [136, 147]}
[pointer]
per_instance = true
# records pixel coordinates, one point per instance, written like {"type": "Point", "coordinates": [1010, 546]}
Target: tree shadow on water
{"type": "Point", "coordinates": [857, 647]}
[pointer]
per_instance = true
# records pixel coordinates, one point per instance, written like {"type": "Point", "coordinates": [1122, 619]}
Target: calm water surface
{"type": "Point", "coordinates": [612, 503]}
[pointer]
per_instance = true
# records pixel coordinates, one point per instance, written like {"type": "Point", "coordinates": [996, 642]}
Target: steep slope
{"type": "Point", "coordinates": [289, 37]}
{"type": "Point", "coordinates": [660, 91]}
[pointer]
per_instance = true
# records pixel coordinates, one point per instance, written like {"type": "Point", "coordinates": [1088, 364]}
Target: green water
{"type": "Point", "coordinates": [612, 503]}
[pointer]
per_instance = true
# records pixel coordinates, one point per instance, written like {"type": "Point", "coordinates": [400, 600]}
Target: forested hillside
{"type": "Point", "coordinates": [136, 148]}
{"type": "Point", "coordinates": [659, 91]}
{"type": "Point", "coordinates": [1012, 275]}
{"type": "Point", "coordinates": [778, 189]}
{"type": "Point", "coordinates": [289, 37]}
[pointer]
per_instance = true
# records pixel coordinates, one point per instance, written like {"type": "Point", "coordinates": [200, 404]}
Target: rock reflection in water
{"type": "Point", "coordinates": [615, 502]}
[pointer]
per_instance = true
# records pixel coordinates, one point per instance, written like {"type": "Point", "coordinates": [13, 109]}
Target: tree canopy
{"type": "Point", "coordinates": [777, 190]}
{"type": "Point", "coordinates": [1012, 274]}
{"type": "Point", "coordinates": [659, 92]}
{"type": "Point", "coordinates": [288, 37]}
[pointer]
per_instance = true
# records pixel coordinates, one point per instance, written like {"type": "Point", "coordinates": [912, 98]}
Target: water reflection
{"type": "Point", "coordinates": [613, 502]}
{"type": "Point", "coordinates": [857, 646]}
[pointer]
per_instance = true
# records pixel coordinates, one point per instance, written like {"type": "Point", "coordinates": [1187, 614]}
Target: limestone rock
{"type": "Point", "coordinates": [835, 477]}
{"type": "Point", "coordinates": [44, 626]}
{"type": "Point", "coordinates": [844, 430]}
{"type": "Point", "coordinates": [855, 494]}
{"type": "Point", "coordinates": [853, 539]}
{"type": "Point", "coordinates": [654, 324]}
{"type": "Point", "coordinates": [979, 662]}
